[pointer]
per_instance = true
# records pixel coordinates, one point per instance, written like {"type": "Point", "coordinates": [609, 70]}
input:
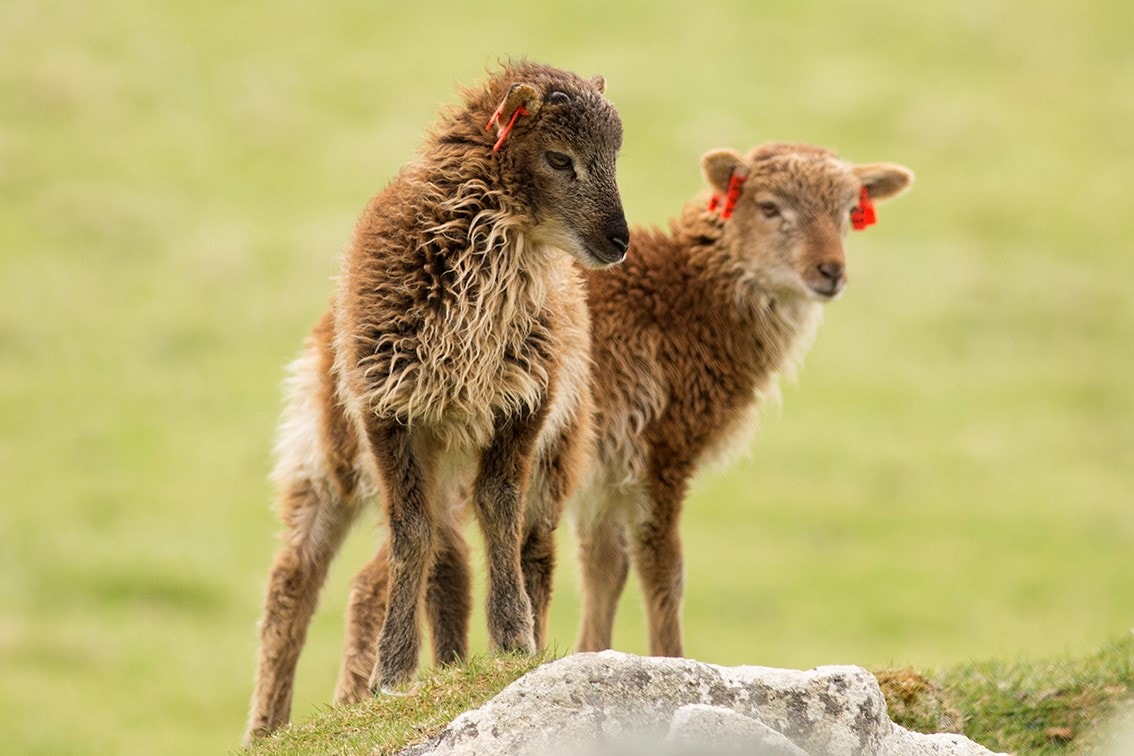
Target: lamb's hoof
{"type": "Point", "coordinates": [519, 646]}
{"type": "Point", "coordinates": [255, 734]}
{"type": "Point", "coordinates": [398, 691]}
{"type": "Point", "coordinates": [404, 687]}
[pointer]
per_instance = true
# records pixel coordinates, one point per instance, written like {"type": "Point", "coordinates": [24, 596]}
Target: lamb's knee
{"type": "Point", "coordinates": [537, 555]}
{"type": "Point", "coordinates": [290, 573]}
{"type": "Point", "coordinates": [412, 542]}
{"type": "Point", "coordinates": [291, 596]}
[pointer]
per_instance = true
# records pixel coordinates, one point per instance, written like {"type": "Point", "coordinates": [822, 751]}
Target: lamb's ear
{"type": "Point", "coordinates": [599, 83]}
{"type": "Point", "coordinates": [884, 180]}
{"type": "Point", "coordinates": [520, 100]}
{"type": "Point", "coordinates": [519, 96]}
{"type": "Point", "coordinates": [719, 165]}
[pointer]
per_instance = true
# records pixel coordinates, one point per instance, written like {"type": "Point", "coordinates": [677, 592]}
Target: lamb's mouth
{"type": "Point", "coordinates": [827, 291]}
{"type": "Point", "coordinates": [605, 258]}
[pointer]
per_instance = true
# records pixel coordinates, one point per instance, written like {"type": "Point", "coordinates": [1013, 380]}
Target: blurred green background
{"type": "Point", "coordinates": [950, 478]}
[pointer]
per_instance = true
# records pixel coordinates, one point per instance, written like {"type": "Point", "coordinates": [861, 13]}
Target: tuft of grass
{"type": "Point", "coordinates": [389, 723]}
{"type": "Point", "coordinates": [1056, 705]}
{"type": "Point", "coordinates": [917, 703]}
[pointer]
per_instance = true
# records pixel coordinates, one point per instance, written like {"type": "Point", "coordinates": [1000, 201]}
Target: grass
{"type": "Point", "coordinates": [949, 479]}
{"type": "Point", "coordinates": [1061, 705]}
{"type": "Point", "coordinates": [1056, 706]}
{"type": "Point", "coordinates": [390, 723]}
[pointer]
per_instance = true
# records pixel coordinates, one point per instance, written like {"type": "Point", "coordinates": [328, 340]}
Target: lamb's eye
{"type": "Point", "coordinates": [558, 161]}
{"type": "Point", "coordinates": [769, 209]}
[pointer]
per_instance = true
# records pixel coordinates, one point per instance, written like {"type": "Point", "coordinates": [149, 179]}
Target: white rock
{"type": "Point", "coordinates": [700, 728]}
{"type": "Point", "coordinates": [614, 703]}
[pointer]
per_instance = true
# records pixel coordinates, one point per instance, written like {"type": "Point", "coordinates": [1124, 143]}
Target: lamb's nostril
{"type": "Point", "coordinates": [831, 270]}
{"type": "Point", "coordinates": [619, 241]}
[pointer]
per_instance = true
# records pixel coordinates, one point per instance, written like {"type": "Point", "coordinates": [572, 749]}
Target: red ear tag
{"type": "Point", "coordinates": [735, 182]}
{"type": "Point", "coordinates": [863, 215]}
{"type": "Point", "coordinates": [497, 117]}
{"type": "Point", "coordinates": [714, 202]}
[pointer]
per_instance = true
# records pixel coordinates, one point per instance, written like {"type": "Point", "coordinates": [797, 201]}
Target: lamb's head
{"type": "Point", "coordinates": [793, 206]}
{"type": "Point", "coordinates": [556, 138]}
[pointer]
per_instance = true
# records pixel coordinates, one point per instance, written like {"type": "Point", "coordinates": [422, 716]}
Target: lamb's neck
{"type": "Point", "coordinates": [461, 204]}
{"type": "Point", "coordinates": [767, 329]}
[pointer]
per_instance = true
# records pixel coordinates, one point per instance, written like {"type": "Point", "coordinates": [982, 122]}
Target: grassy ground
{"type": "Point", "coordinates": [1059, 705]}
{"type": "Point", "coordinates": [389, 724]}
{"type": "Point", "coordinates": [950, 479]}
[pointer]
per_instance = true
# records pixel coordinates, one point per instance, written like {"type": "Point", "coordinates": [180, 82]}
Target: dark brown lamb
{"type": "Point", "coordinates": [453, 363]}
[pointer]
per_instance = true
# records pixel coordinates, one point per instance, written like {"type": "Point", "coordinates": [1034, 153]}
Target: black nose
{"type": "Point", "coordinates": [618, 234]}
{"type": "Point", "coordinates": [831, 270]}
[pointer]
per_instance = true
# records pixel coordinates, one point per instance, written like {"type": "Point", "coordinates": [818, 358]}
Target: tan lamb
{"type": "Point", "coordinates": [690, 335]}
{"type": "Point", "coordinates": [453, 363]}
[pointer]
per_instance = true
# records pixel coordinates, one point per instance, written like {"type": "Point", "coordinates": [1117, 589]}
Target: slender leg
{"type": "Point", "coordinates": [657, 555]}
{"type": "Point", "coordinates": [317, 524]}
{"type": "Point", "coordinates": [366, 611]}
{"type": "Point", "coordinates": [449, 599]}
{"type": "Point", "coordinates": [498, 496]}
{"type": "Point", "coordinates": [605, 563]}
{"type": "Point", "coordinates": [555, 477]}
{"type": "Point", "coordinates": [537, 564]}
{"type": "Point", "coordinates": [317, 508]}
{"type": "Point", "coordinates": [406, 475]}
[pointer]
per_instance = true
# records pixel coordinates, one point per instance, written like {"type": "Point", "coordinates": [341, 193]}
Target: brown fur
{"type": "Point", "coordinates": [453, 362]}
{"type": "Point", "coordinates": [690, 335]}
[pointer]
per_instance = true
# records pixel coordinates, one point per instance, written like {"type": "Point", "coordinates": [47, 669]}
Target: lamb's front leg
{"type": "Point", "coordinates": [656, 548]}
{"type": "Point", "coordinates": [499, 495]}
{"type": "Point", "coordinates": [407, 471]}
{"type": "Point", "coordinates": [604, 564]}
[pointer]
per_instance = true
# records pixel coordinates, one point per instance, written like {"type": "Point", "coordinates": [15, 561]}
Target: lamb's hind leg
{"type": "Point", "coordinates": [498, 495]}
{"type": "Point", "coordinates": [555, 477]}
{"type": "Point", "coordinates": [449, 598]}
{"type": "Point", "coordinates": [317, 521]}
{"type": "Point", "coordinates": [366, 610]}
{"type": "Point", "coordinates": [537, 563]}
{"type": "Point", "coordinates": [447, 602]}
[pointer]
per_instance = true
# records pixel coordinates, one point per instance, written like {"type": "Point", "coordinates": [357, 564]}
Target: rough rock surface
{"type": "Point", "coordinates": [696, 727]}
{"type": "Point", "coordinates": [613, 703]}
